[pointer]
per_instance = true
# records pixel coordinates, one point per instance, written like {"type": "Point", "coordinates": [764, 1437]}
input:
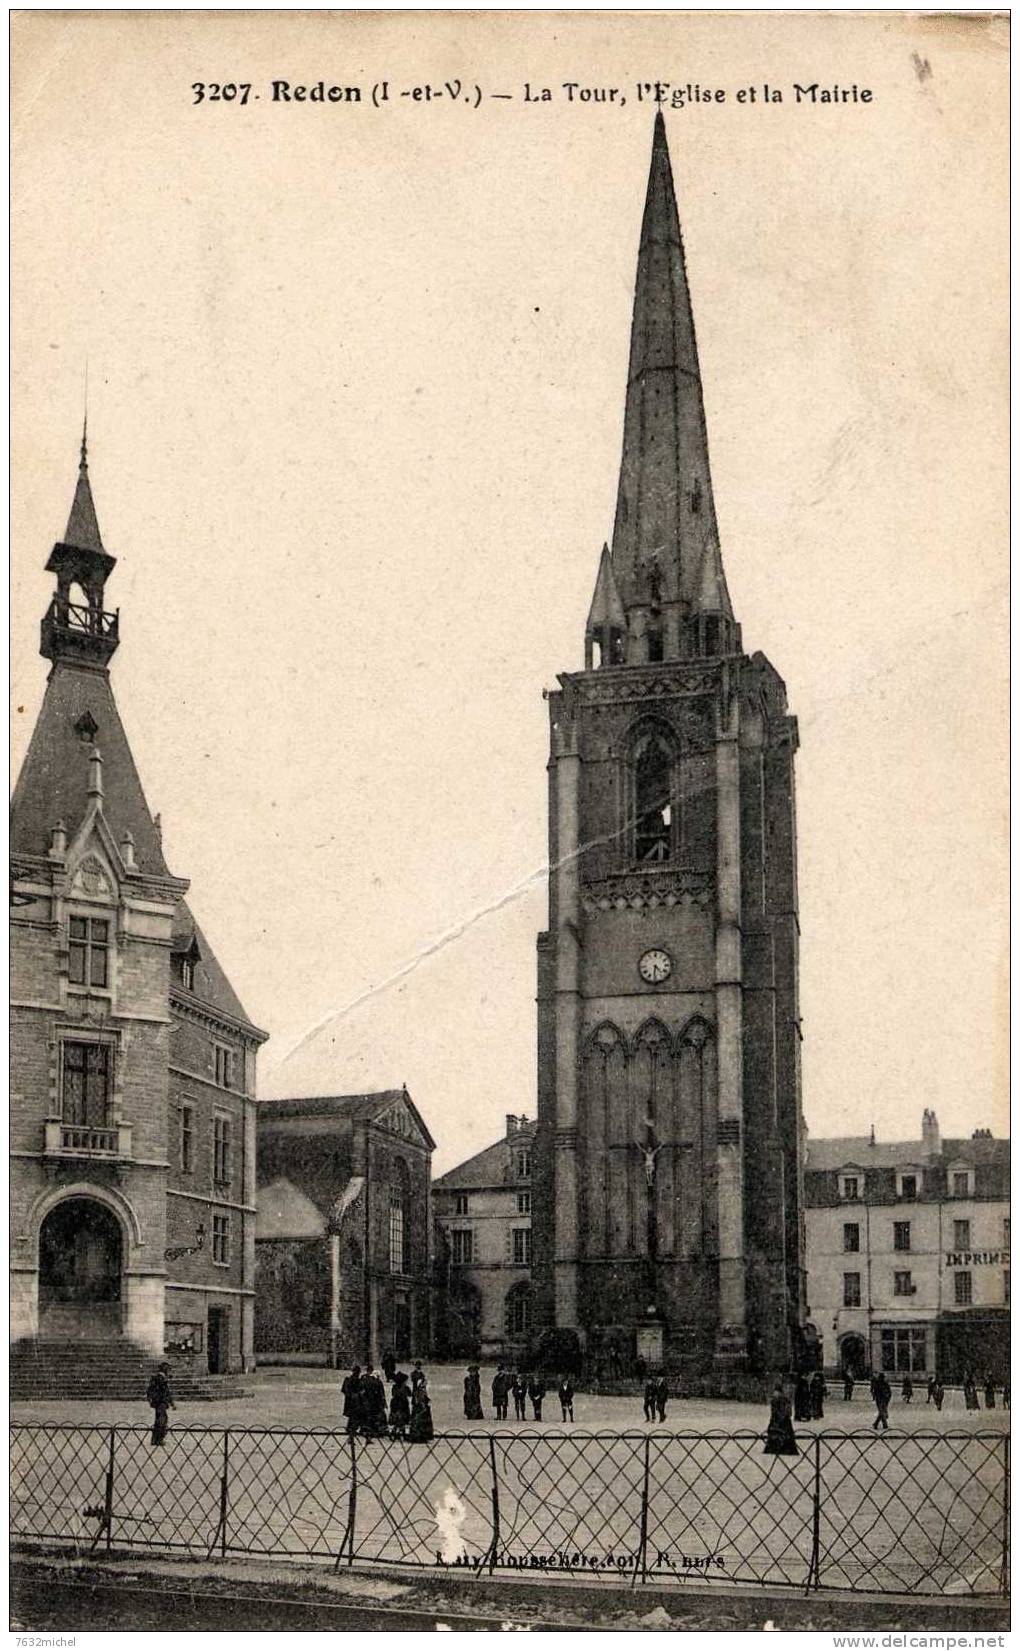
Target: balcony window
{"type": "Point", "coordinates": [86, 1087]}
{"type": "Point", "coordinates": [901, 1235]}
{"type": "Point", "coordinates": [88, 951]}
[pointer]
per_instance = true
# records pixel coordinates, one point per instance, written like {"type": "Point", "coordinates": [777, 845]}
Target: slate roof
{"type": "Point", "coordinates": [844, 1150]}
{"type": "Point", "coordinates": [53, 785]}
{"type": "Point", "coordinates": [211, 984]}
{"type": "Point", "coordinates": [486, 1168]}
{"type": "Point", "coordinates": [357, 1108]}
{"type": "Point", "coordinates": [53, 781]}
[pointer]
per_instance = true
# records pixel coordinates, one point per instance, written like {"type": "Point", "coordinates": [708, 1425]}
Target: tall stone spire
{"type": "Point", "coordinates": [665, 540]}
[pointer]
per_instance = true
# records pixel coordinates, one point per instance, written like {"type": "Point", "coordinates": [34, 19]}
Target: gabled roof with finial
{"type": "Point", "coordinates": [665, 512]}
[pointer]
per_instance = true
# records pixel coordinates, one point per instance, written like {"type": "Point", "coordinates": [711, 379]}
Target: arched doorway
{"type": "Point", "coordinates": [853, 1356]}
{"type": "Point", "coordinates": [80, 1258]}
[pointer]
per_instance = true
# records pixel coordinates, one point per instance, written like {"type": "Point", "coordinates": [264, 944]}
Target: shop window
{"type": "Point", "coordinates": [904, 1350]}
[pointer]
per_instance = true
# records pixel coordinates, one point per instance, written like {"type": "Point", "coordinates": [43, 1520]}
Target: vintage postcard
{"type": "Point", "coordinates": [508, 962]}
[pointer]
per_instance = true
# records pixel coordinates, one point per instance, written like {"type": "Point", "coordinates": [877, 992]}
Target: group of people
{"type": "Point", "coordinates": [809, 1395]}
{"type": "Point", "coordinates": [408, 1414]}
{"type": "Point", "coordinates": [516, 1385]}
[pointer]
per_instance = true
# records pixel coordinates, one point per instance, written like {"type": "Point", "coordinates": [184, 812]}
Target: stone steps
{"type": "Point", "coordinates": [104, 1370]}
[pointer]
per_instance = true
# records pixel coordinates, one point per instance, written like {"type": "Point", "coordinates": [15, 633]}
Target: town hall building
{"type": "Point", "coordinates": [667, 1161]}
{"type": "Point", "coordinates": [132, 1060]}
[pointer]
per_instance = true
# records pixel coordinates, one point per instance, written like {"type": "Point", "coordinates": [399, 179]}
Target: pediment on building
{"type": "Point", "coordinates": [401, 1118]}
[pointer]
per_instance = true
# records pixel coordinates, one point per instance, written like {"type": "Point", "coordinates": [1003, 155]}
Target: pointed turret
{"type": "Point", "coordinates": [665, 541]}
{"type": "Point", "coordinates": [607, 620]}
{"type": "Point", "coordinates": [82, 524]}
{"type": "Point", "coordinates": [75, 626]}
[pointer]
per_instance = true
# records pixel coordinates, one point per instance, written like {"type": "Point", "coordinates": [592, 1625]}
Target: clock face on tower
{"type": "Point", "coordinates": [655, 966]}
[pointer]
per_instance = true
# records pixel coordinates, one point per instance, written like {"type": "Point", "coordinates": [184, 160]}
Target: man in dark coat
{"type": "Point", "coordinates": [161, 1400]}
{"type": "Point", "coordinates": [848, 1383]}
{"type": "Point", "coordinates": [500, 1393]}
{"type": "Point", "coordinates": [932, 1382]}
{"type": "Point", "coordinates": [817, 1396]}
{"type": "Point", "coordinates": [649, 1400]}
{"type": "Point", "coordinates": [881, 1392]}
{"type": "Point", "coordinates": [906, 1390]}
{"type": "Point", "coordinates": [536, 1393]}
{"type": "Point", "coordinates": [400, 1405]}
{"type": "Point", "coordinates": [519, 1389]}
{"type": "Point", "coordinates": [350, 1387]}
{"type": "Point", "coordinates": [661, 1395]}
{"type": "Point", "coordinates": [566, 1396]}
{"type": "Point", "coordinates": [989, 1393]}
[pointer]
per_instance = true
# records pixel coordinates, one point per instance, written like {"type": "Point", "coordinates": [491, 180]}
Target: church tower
{"type": "Point", "coordinates": [668, 1154]}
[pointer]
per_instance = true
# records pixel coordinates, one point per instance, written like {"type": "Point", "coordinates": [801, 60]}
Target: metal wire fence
{"type": "Point", "coordinates": [914, 1514]}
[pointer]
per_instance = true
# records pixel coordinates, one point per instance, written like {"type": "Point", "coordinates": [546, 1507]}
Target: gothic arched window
{"type": "Point", "coordinates": [653, 798]}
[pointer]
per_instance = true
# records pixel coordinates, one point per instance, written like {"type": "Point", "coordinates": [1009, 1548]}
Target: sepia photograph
{"type": "Point", "coordinates": [508, 847]}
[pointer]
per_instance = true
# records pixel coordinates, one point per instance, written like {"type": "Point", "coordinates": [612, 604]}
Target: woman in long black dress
{"type": "Point", "coordinates": [780, 1439]}
{"type": "Point", "coordinates": [421, 1429]}
{"type": "Point", "coordinates": [801, 1399]}
{"type": "Point", "coordinates": [400, 1405]}
{"type": "Point", "coordinates": [473, 1394]}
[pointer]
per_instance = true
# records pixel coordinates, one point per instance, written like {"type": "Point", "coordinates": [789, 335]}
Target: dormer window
{"type": "Point", "coordinates": [187, 974]}
{"type": "Point", "coordinates": [88, 961]}
{"type": "Point", "coordinates": [908, 1183]}
{"type": "Point", "coordinates": [850, 1186]}
{"type": "Point", "coordinates": [961, 1181]}
{"type": "Point", "coordinates": [523, 1165]}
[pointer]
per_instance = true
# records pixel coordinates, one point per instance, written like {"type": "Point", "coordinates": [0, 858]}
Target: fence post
{"type": "Point", "coordinates": [352, 1510]}
{"type": "Point", "coordinates": [814, 1569]}
{"type": "Point", "coordinates": [106, 1523]}
{"type": "Point", "coordinates": [641, 1561]}
{"type": "Point", "coordinates": [495, 1505]}
{"type": "Point", "coordinates": [1004, 1570]}
{"type": "Point", "coordinates": [224, 1492]}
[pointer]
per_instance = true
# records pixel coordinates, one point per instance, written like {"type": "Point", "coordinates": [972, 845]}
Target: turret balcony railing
{"type": "Point", "coordinates": [85, 1141]}
{"type": "Point", "coordinates": [72, 616]}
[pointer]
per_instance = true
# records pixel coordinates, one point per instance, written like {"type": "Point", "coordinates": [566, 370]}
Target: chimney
{"type": "Point", "coordinates": [511, 1125]}
{"type": "Point", "coordinates": [931, 1144]}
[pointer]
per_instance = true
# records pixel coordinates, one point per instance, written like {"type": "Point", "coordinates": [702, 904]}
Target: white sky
{"type": "Point", "coordinates": [356, 397]}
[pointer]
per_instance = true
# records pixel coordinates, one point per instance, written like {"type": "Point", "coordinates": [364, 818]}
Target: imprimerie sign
{"type": "Point", "coordinates": [977, 1258]}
